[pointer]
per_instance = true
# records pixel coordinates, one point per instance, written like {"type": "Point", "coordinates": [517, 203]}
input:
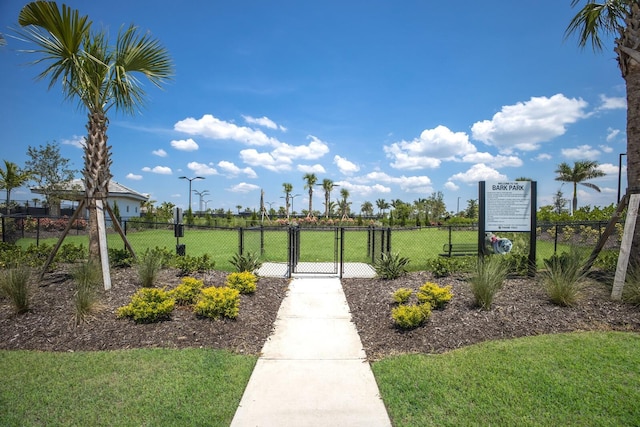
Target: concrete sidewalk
{"type": "Point", "coordinates": [313, 370]}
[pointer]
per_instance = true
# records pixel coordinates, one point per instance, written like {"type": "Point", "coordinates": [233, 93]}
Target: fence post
{"type": "Point", "coordinates": [261, 239]}
{"type": "Point", "coordinates": [389, 240]}
{"type": "Point", "coordinates": [240, 241]}
{"type": "Point", "coordinates": [4, 229]}
{"type": "Point", "coordinates": [38, 232]}
{"type": "Point", "coordinates": [555, 240]}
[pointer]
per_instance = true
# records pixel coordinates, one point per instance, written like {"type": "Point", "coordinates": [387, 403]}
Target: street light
{"type": "Point", "coordinates": [201, 194]}
{"type": "Point", "coordinates": [206, 204]}
{"type": "Point", "coordinates": [287, 198]}
{"type": "Point", "coordinates": [620, 173]}
{"type": "Point", "coordinates": [190, 180]}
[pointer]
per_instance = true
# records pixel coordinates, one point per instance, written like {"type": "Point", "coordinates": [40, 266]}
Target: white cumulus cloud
{"type": "Point", "coordinates": [185, 144]}
{"type": "Point", "coordinates": [243, 187]}
{"type": "Point", "coordinates": [478, 172]}
{"type": "Point", "coordinates": [161, 170]}
{"type": "Point", "coordinates": [345, 166]}
{"type": "Point", "coordinates": [201, 168]}
{"type": "Point", "coordinates": [231, 169]}
{"type": "Point", "coordinates": [264, 122]}
{"type": "Point", "coordinates": [134, 177]}
{"type": "Point", "coordinates": [211, 127]}
{"type": "Point", "coordinates": [581, 152]}
{"type": "Point", "coordinates": [160, 153]}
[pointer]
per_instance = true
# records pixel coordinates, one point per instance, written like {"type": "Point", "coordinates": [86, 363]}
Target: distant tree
{"type": "Point", "coordinates": [287, 188]}
{"type": "Point", "coordinates": [327, 186]}
{"type": "Point", "coordinates": [344, 204]}
{"type": "Point", "coordinates": [578, 174]}
{"type": "Point", "coordinates": [435, 206]}
{"type": "Point", "coordinates": [238, 207]}
{"type": "Point", "coordinates": [559, 202]}
{"type": "Point", "coordinates": [310, 179]}
{"type": "Point", "coordinates": [10, 178]}
{"type": "Point", "coordinates": [472, 209]}
{"type": "Point", "coordinates": [116, 211]}
{"type": "Point", "coordinates": [366, 208]}
{"type": "Point", "coordinates": [51, 173]}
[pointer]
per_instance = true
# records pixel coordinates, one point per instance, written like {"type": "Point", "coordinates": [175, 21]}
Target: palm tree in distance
{"type": "Point", "coordinates": [311, 180]}
{"type": "Point", "coordinates": [620, 18]}
{"type": "Point", "coordinates": [287, 188]}
{"type": "Point", "coordinates": [344, 203]}
{"type": "Point", "coordinates": [581, 171]}
{"type": "Point", "coordinates": [327, 186]}
{"type": "Point", "coordinates": [99, 76]}
{"type": "Point", "coordinates": [12, 177]}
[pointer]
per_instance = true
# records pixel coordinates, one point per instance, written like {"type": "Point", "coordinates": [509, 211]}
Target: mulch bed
{"type": "Point", "coordinates": [520, 309]}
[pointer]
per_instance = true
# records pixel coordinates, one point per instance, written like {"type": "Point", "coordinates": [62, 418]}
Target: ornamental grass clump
{"type": "Point", "coordinates": [487, 280]}
{"type": "Point", "coordinates": [245, 282]}
{"type": "Point", "coordinates": [148, 305]}
{"type": "Point", "coordinates": [391, 266]}
{"type": "Point", "coordinates": [217, 302]}
{"type": "Point", "coordinates": [14, 284]}
{"type": "Point", "coordinates": [87, 277]}
{"type": "Point", "coordinates": [148, 266]}
{"type": "Point", "coordinates": [410, 316]}
{"type": "Point", "coordinates": [188, 291]}
{"type": "Point", "coordinates": [631, 290]}
{"type": "Point", "coordinates": [436, 296]}
{"type": "Point", "coordinates": [564, 277]}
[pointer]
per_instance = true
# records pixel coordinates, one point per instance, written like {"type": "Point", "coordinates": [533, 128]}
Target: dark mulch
{"type": "Point", "coordinates": [520, 309]}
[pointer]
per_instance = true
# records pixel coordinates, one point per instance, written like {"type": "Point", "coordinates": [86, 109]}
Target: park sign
{"type": "Point", "coordinates": [508, 206]}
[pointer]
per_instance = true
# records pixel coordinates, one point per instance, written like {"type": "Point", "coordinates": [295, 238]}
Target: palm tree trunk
{"type": "Point", "coordinates": [633, 143]}
{"type": "Point", "coordinates": [97, 175]}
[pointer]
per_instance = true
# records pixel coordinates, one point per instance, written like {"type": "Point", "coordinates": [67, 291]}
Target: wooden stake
{"type": "Point", "coordinates": [102, 240]}
{"type": "Point", "coordinates": [625, 247]}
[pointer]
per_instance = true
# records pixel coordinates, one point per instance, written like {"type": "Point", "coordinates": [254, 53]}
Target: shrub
{"type": "Point", "coordinates": [10, 255]}
{"type": "Point", "coordinates": [14, 284]}
{"type": "Point", "coordinates": [402, 295]}
{"type": "Point", "coordinates": [189, 264]}
{"type": "Point", "coordinates": [36, 256]}
{"type": "Point", "coordinates": [487, 280]}
{"type": "Point", "coordinates": [564, 277]}
{"type": "Point", "coordinates": [148, 266]}
{"type": "Point", "coordinates": [436, 296]}
{"type": "Point", "coordinates": [148, 305]}
{"type": "Point", "coordinates": [218, 302]}
{"type": "Point", "coordinates": [245, 282]}
{"type": "Point", "coordinates": [120, 258]}
{"type": "Point", "coordinates": [607, 261]}
{"type": "Point", "coordinates": [71, 253]}
{"type": "Point", "coordinates": [631, 290]}
{"type": "Point", "coordinates": [246, 262]}
{"type": "Point", "coordinates": [87, 276]}
{"type": "Point", "coordinates": [391, 266]}
{"type": "Point", "coordinates": [410, 316]}
{"type": "Point", "coordinates": [188, 291]}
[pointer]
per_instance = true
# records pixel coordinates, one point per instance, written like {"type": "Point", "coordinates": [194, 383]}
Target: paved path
{"type": "Point", "coordinates": [313, 370]}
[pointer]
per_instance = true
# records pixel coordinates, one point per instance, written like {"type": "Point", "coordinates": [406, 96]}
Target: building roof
{"type": "Point", "coordinates": [74, 190]}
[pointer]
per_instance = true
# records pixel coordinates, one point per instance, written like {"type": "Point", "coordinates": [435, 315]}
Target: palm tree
{"type": "Point", "coordinates": [343, 203]}
{"type": "Point", "coordinates": [327, 186]}
{"type": "Point", "coordinates": [581, 171]}
{"type": "Point", "coordinates": [367, 208]}
{"type": "Point", "coordinates": [622, 19]}
{"type": "Point", "coordinates": [382, 205]}
{"type": "Point", "coordinates": [287, 188]}
{"type": "Point", "coordinates": [12, 177]}
{"type": "Point", "coordinates": [311, 180]}
{"type": "Point", "coordinates": [98, 75]}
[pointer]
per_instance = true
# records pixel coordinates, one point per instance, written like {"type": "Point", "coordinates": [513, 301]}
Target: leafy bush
{"type": "Point", "coordinates": [14, 284]}
{"type": "Point", "coordinates": [87, 276]}
{"type": "Point", "coordinates": [436, 296]}
{"type": "Point", "coordinates": [518, 263]}
{"type": "Point", "coordinates": [410, 316]}
{"type": "Point", "coordinates": [487, 280]}
{"type": "Point", "coordinates": [607, 261]}
{"type": "Point", "coordinates": [445, 266]}
{"type": "Point", "coordinates": [245, 282]}
{"type": "Point", "coordinates": [148, 305]}
{"type": "Point", "coordinates": [189, 264]}
{"type": "Point", "coordinates": [391, 266]}
{"type": "Point", "coordinates": [36, 256]}
{"type": "Point", "coordinates": [402, 295]}
{"type": "Point", "coordinates": [188, 291]}
{"type": "Point", "coordinates": [71, 253]}
{"type": "Point", "coordinates": [10, 255]}
{"type": "Point", "coordinates": [563, 277]}
{"type": "Point", "coordinates": [218, 302]}
{"type": "Point", "coordinates": [148, 266]}
{"type": "Point", "coordinates": [120, 258]}
{"type": "Point", "coordinates": [246, 262]}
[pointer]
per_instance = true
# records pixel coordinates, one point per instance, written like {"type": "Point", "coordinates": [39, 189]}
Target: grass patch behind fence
{"type": "Point", "coordinates": [317, 245]}
{"type": "Point", "coordinates": [567, 379]}
{"type": "Point", "coordinates": [134, 387]}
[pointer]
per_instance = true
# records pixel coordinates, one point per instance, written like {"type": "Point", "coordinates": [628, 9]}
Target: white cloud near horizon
{"type": "Point", "coordinates": [75, 141]}
{"type": "Point", "coordinates": [478, 172]}
{"type": "Point", "coordinates": [243, 187]}
{"type": "Point", "coordinates": [211, 127]}
{"type": "Point", "coordinates": [161, 170]}
{"type": "Point", "coordinates": [231, 169]}
{"type": "Point", "coordinates": [134, 177]}
{"type": "Point", "coordinates": [526, 125]}
{"type": "Point", "coordinates": [201, 168]}
{"type": "Point", "coordinates": [581, 152]}
{"type": "Point", "coordinates": [345, 166]}
{"type": "Point", "coordinates": [317, 168]}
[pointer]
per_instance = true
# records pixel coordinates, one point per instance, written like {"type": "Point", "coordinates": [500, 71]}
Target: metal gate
{"type": "Point", "coordinates": [316, 253]}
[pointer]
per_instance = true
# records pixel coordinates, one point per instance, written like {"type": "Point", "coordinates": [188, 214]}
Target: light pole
{"type": "Point", "coordinates": [190, 181]}
{"type": "Point", "coordinates": [206, 204]}
{"type": "Point", "coordinates": [620, 173]}
{"type": "Point", "coordinates": [458, 211]}
{"type": "Point", "coordinates": [201, 194]}
{"type": "Point", "coordinates": [293, 197]}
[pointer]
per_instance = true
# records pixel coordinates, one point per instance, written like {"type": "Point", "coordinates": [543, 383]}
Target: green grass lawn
{"type": "Point", "coordinates": [122, 388]}
{"type": "Point", "coordinates": [575, 379]}
{"type": "Point", "coordinates": [317, 245]}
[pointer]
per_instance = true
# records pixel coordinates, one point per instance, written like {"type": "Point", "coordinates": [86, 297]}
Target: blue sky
{"type": "Point", "coordinates": [389, 99]}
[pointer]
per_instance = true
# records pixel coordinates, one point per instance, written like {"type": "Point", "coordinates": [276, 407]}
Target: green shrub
{"type": "Point", "coordinates": [120, 258]}
{"type": "Point", "coordinates": [518, 263]}
{"type": "Point", "coordinates": [218, 302]}
{"type": "Point", "coordinates": [246, 262]}
{"type": "Point", "coordinates": [14, 284]}
{"type": "Point", "coordinates": [607, 261]}
{"type": "Point", "coordinates": [245, 282]}
{"type": "Point", "coordinates": [189, 264]}
{"type": "Point", "coordinates": [71, 253]}
{"type": "Point", "coordinates": [87, 277]}
{"type": "Point", "coordinates": [391, 266]}
{"type": "Point", "coordinates": [36, 256]}
{"type": "Point", "coordinates": [436, 296]}
{"type": "Point", "coordinates": [410, 316]}
{"type": "Point", "coordinates": [402, 295]}
{"type": "Point", "coordinates": [446, 266]}
{"type": "Point", "coordinates": [563, 277]}
{"type": "Point", "coordinates": [487, 280]}
{"type": "Point", "coordinates": [188, 291]}
{"type": "Point", "coordinates": [148, 305]}
{"type": "Point", "coordinates": [10, 255]}
{"type": "Point", "coordinates": [148, 266]}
